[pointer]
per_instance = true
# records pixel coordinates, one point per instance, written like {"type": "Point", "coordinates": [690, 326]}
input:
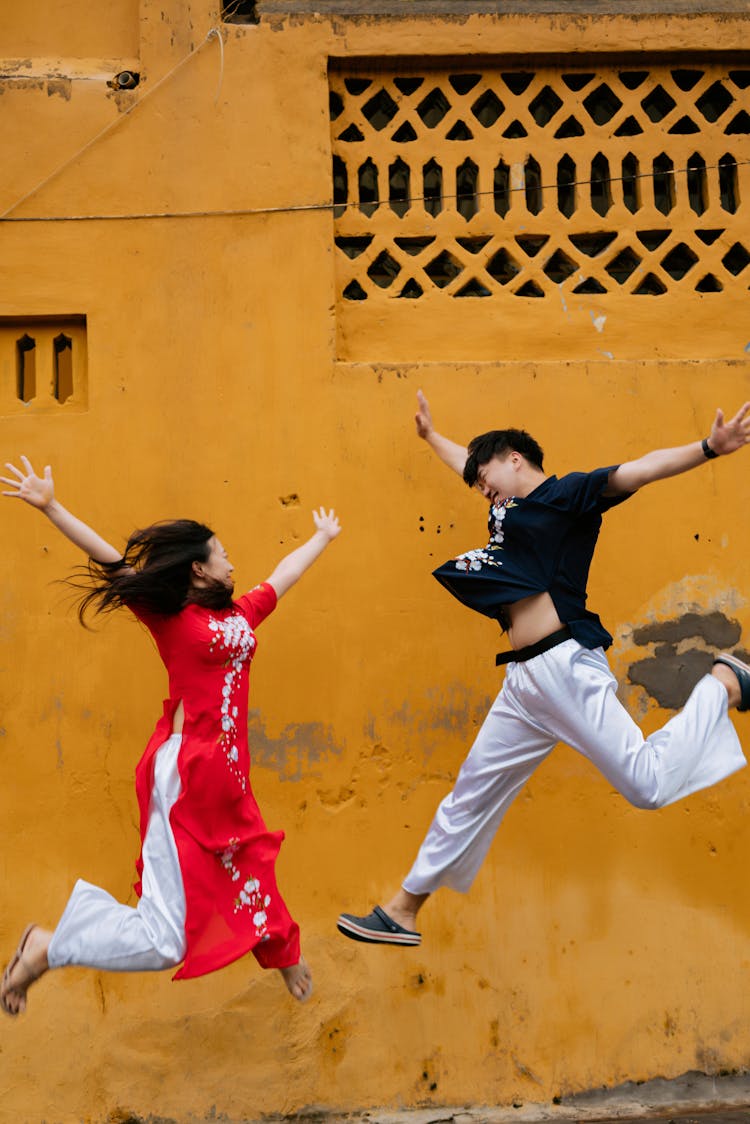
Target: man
{"type": "Point", "coordinates": [531, 577]}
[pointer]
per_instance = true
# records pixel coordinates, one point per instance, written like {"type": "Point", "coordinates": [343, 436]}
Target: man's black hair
{"type": "Point", "coordinates": [498, 443]}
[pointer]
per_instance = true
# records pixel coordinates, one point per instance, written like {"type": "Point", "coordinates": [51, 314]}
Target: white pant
{"type": "Point", "coordinates": [95, 931]}
{"type": "Point", "coordinates": [568, 695]}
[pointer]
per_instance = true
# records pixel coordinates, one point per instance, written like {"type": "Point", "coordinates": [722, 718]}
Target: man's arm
{"type": "Point", "coordinates": [449, 452]}
{"type": "Point", "coordinates": [724, 438]}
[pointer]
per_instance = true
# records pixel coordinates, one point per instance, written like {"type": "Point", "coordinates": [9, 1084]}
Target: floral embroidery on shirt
{"type": "Point", "coordinates": [475, 559]}
{"type": "Point", "coordinates": [497, 517]}
{"type": "Point", "coordinates": [250, 896]}
{"type": "Point", "coordinates": [234, 636]}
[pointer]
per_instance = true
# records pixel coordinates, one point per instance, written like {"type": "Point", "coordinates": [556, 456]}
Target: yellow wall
{"type": "Point", "coordinates": [600, 943]}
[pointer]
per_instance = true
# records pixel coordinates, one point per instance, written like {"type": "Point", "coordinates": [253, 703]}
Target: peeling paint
{"type": "Point", "coordinates": [598, 321]}
{"type": "Point", "coordinates": [296, 748]}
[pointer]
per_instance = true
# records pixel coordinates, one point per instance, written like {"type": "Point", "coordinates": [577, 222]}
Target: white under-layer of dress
{"type": "Point", "coordinates": [96, 931]}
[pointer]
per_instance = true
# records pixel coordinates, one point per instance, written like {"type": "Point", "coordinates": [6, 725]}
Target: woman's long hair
{"type": "Point", "coordinates": [155, 572]}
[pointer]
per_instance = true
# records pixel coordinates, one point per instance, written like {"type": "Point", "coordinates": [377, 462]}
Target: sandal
{"type": "Point", "coordinates": [6, 988]}
{"type": "Point", "coordinates": [742, 671]}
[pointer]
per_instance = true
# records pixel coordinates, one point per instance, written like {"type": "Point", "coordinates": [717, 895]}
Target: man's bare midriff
{"type": "Point", "coordinates": [531, 619]}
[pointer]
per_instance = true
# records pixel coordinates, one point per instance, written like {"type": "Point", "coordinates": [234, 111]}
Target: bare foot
{"type": "Point", "coordinates": [26, 966]}
{"type": "Point", "coordinates": [298, 980]}
{"type": "Point", "coordinates": [404, 907]}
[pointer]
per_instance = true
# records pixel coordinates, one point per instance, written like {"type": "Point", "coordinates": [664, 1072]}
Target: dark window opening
{"type": "Point", "coordinates": [697, 183]}
{"type": "Point", "coordinates": [601, 188]}
{"type": "Point", "coordinates": [380, 109]}
{"type": "Point", "coordinates": [369, 196]}
{"type": "Point", "coordinates": [569, 128]}
{"type": "Point", "coordinates": [502, 267]}
{"type": "Point", "coordinates": [433, 108]}
{"type": "Point", "coordinates": [576, 82]}
{"type": "Point", "coordinates": [340, 187]}
{"type": "Point", "coordinates": [467, 184]}
{"type": "Point", "coordinates": [353, 247]}
{"type": "Point", "coordinates": [532, 177]}
{"type": "Point", "coordinates": [487, 109]}
{"type": "Point", "coordinates": [686, 79]}
{"type": "Point", "coordinates": [566, 186]}
{"type": "Point", "coordinates": [413, 246]}
{"type": "Point", "coordinates": [531, 244]}
{"type": "Point", "coordinates": [684, 127]}
{"type": "Point", "coordinates": [560, 267]}
{"type": "Point", "coordinates": [679, 261]}
{"type": "Point", "coordinates": [590, 286]}
{"type": "Point", "coordinates": [517, 82]}
{"type": "Point", "coordinates": [26, 368]}
{"type": "Point", "coordinates": [384, 270]}
{"type": "Point", "coordinates": [407, 86]}
{"type": "Point", "coordinates": [432, 178]}
{"type": "Point", "coordinates": [63, 377]}
{"type": "Point", "coordinates": [357, 86]}
{"type": "Point", "coordinates": [736, 259]}
{"type": "Point", "coordinates": [404, 133]}
{"type": "Point", "coordinates": [709, 284]}
{"type": "Point", "coordinates": [728, 188]}
{"type": "Point", "coordinates": [632, 79]}
{"type": "Point", "coordinates": [709, 236]}
{"type": "Point", "coordinates": [463, 83]}
{"type": "Point", "coordinates": [544, 106]}
{"type": "Point", "coordinates": [715, 101]}
{"type": "Point", "coordinates": [351, 133]}
{"type": "Point", "coordinates": [663, 180]}
{"type": "Point", "coordinates": [602, 104]}
{"type": "Point", "coordinates": [628, 128]}
{"type": "Point", "coordinates": [650, 286]}
{"type": "Point", "coordinates": [474, 288]}
{"type": "Point", "coordinates": [355, 292]}
{"type": "Point", "coordinates": [592, 244]}
{"type": "Point", "coordinates": [623, 266]}
{"type": "Point", "coordinates": [739, 124]}
{"type": "Point", "coordinates": [530, 289]}
{"type": "Point", "coordinates": [658, 103]}
{"type": "Point", "coordinates": [398, 187]}
{"type": "Point", "coordinates": [411, 290]}
{"type": "Point", "coordinates": [335, 105]}
{"type": "Point", "coordinates": [443, 269]}
{"type": "Point", "coordinates": [515, 130]}
{"type": "Point", "coordinates": [459, 131]}
{"type": "Point", "coordinates": [652, 239]}
{"type": "Point", "coordinates": [631, 194]}
{"type": "Point", "coordinates": [501, 189]}
{"type": "Point", "coordinates": [473, 245]}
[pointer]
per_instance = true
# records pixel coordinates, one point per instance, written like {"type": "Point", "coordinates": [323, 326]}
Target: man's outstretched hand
{"type": "Point", "coordinates": [729, 436]}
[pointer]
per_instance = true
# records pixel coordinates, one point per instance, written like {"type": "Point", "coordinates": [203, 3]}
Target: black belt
{"type": "Point", "coordinates": [520, 655]}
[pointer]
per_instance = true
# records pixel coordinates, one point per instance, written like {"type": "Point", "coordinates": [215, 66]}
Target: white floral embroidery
{"type": "Point", "coordinates": [475, 559]}
{"type": "Point", "coordinates": [250, 896]}
{"type": "Point", "coordinates": [234, 636]}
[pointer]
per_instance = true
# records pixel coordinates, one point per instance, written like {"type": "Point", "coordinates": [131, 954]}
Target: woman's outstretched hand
{"type": "Point", "coordinates": [39, 491]}
{"type": "Point", "coordinates": [729, 436]}
{"type": "Point", "coordinates": [423, 417]}
{"type": "Point", "coordinates": [327, 522]}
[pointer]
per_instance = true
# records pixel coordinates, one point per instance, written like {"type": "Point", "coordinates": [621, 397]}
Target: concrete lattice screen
{"type": "Point", "coordinates": [502, 183]}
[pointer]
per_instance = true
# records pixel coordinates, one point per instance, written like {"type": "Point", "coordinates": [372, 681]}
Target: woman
{"type": "Point", "coordinates": [207, 887]}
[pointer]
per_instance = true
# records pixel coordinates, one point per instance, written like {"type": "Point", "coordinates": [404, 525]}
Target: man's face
{"type": "Point", "coordinates": [498, 479]}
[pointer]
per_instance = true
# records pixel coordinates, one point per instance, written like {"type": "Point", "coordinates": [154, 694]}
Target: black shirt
{"type": "Point", "coordinates": [542, 543]}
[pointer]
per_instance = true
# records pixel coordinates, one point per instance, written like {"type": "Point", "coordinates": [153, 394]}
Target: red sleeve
{"type": "Point", "coordinates": [258, 603]}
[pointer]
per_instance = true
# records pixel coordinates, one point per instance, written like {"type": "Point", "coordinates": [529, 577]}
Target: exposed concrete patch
{"type": "Point", "coordinates": [683, 652]}
{"type": "Point", "coordinates": [294, 750]}
{"type": "Point", "coordinates": [694, 1097]}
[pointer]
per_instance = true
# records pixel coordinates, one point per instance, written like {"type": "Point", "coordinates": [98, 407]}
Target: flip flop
{"type": "Point", "coordinates": [376, 928]}
{"type": "Point", "coordinates": [742, 671]}
{"type": "Point", "coordinates": [21, 990]}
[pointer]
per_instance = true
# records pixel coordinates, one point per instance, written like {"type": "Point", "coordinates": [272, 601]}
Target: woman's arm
{"type": "Point", "coordinates": [724, 438]}
{"type": "Point", "coordinates": [291, 568]}
{"type": "Point", "coordinates": [449, 452]}
{"type": "Point", "coordinates": [39, 492]}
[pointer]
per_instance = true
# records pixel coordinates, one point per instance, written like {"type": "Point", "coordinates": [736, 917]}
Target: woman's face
{"type": "Point", "coordinates": [217, 566]}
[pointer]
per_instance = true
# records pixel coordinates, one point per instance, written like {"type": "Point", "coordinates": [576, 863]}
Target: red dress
{"type": "Point", "coordinates": [227, 855]}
